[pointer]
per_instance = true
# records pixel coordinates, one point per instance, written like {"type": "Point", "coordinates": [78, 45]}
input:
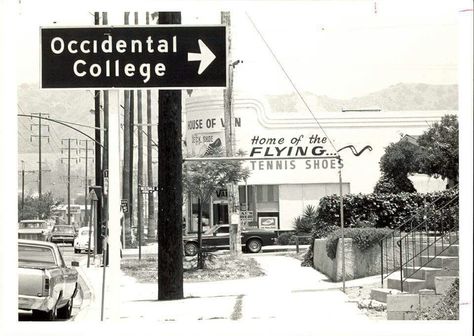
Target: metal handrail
{"type": "Point", "coordinates": [397, 262]}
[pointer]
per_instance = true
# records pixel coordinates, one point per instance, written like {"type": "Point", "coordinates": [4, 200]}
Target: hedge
{"type": "Point", "coordinates": [391, 210]}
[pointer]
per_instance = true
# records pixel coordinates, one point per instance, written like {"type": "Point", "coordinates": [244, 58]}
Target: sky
{"type": "Point", "coordinates": [341, 49]}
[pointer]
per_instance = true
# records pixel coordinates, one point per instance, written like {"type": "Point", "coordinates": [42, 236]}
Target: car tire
{"type": "Point", "coordinates": [190, 249]}
{"type": "Point", "coordinates": [77, 250]}
{"type": "Point", "coordinates": [39, 315]}
{"type": "Point", "coordinates": [254, 246]}
{"type": "Point", "coordinates": [66, 311]}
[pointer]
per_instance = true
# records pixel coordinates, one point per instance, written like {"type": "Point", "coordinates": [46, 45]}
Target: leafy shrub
{"type": "Point", "coordinates": [447, 308]}
{"type": "Point", "coordinates": [284, 239]}
{"type": "Point", "coordinates": [305, 222]}
{"type": "Point", "coordinates": [389, 210]}
{"type": "Point", "coordinates": [321, 231]}
{"type": "Point", "coordinates": [363, 238]}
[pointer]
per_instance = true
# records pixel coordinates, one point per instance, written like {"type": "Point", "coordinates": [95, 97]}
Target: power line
{"type": "Point", "coordinates": [291, 81]}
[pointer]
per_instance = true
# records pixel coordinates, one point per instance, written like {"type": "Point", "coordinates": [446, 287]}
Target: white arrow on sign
{"type": "Point", "coordinates": [205, 56]}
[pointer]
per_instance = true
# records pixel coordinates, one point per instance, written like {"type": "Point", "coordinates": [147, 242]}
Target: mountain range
{"type": "Point", "coordinates": [398, 97]}
{"type": "Point", "coordinates": [75, 106]}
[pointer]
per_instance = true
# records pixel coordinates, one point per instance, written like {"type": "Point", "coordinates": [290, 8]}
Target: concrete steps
{"type": "Point", "coordinates": [444, 262]}
{"type": "Point", "coordinates": [426, 279]}
{"type": "Point", "coordinates": [410, 285]}
{"type": "Point", "coordinates": [428, 274]}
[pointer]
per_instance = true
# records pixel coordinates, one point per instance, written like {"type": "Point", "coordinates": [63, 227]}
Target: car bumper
{"type": "Point", "coordinates": [62, 239]}
{"type": "Point", "coordinates": [80, 246]}
{"type": "Point", "coordinates": [35, 303]}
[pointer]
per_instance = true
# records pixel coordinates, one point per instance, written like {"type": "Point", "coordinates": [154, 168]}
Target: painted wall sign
{"type": "Point", "coordinates": [171, 56]}
{"type": "Point", "coordinates": [268, 222]}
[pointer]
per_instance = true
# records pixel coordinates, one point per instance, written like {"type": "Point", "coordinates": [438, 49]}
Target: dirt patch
{"type": "Point", "coordinates": [217, 267]}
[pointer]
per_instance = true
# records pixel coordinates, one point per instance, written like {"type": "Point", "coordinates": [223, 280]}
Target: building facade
{"type": "Point", "coordinates": [293, 157]}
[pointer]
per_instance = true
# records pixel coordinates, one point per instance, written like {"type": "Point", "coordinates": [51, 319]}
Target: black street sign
{"type": "Point", "coordinates": [167, 56]}
{"type": "Point", "coordinates": [148, 190]}
{"type": "Point", "coordinates": [124, 205]}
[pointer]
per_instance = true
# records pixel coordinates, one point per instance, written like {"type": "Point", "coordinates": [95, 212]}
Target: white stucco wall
{"type": "Point", "coordinates": [299, 179]}
{"type": "Point", "coordinates": [256, 121]}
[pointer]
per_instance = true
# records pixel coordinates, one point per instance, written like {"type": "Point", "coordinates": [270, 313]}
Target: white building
{"type": "Point", "coordinates": [278, 189]}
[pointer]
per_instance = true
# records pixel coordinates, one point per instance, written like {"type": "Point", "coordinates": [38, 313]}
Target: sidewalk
{"type": "Point", "coordinates": [288, 293]}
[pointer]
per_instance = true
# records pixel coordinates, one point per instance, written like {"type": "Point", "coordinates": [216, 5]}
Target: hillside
{"type": "Point", "coordinates": [399, 97]}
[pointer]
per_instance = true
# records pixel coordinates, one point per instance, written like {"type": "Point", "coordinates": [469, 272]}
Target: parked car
{"type": "Point", "coordinates": [62, 234]}
{"type": "Point", "coordinates": [46, 286]}
{"type": "Point", "coordinates": [217, 238]}
{"type": "Point", "coordinates": [81, 242]}
{"type": "Point", "coordinates": [33, 229]}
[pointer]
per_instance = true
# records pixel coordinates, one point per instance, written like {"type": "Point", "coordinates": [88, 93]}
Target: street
{"type": "Point", "coordinates": [69, 256]}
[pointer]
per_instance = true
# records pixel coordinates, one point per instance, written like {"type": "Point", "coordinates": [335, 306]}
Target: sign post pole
{"type": "Point", "coordinates": [341, 206]}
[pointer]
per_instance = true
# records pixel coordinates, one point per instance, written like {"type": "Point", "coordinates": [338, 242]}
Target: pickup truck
{"type": "Point", "coordinates": [217, 238]}
{"type": "Point", "coordinates": [46, 286]}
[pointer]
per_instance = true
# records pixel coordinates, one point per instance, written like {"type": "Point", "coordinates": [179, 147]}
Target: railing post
{"type": "Point", "coordinates": [399, 243]}
{"type": "Point", "coordinates": [381, 262]}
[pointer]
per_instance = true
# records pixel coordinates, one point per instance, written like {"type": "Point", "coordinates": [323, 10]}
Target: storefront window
{"type": "Point", "coordinates": [267, 193]}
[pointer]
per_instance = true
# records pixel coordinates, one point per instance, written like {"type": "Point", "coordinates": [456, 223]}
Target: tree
{"type": "Point", "coordinates": [400, 160]}
{"type": "Point", "coordinates": [202, 179]}
{"type": "Point", "coordinates": [440, 150]}
{"type": "Point", "coordinates": [305, 222]}
{"type": "Point", "coordinates": [435, 153]}
{"type": "Point", "coordinates": [38, 207]}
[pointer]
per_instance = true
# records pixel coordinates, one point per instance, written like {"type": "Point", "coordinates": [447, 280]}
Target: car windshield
{"type": "Point", "coordinates": [210, 230]}
{"type": "Point", "coordinates": [33, 225]}
{"type": "Point", "coordinates": [85, 232]}
{"type": "Point", "coordinates": [35, 256]}
{"type": "Point", "coordinates": [66, 229]}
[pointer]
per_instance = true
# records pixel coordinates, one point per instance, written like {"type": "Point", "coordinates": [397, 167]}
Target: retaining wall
{"type": "Point", "coordinates": [358, 264]}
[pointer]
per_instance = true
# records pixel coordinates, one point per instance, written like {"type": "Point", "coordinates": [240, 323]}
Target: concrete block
{"type": "Point", "coordinates": [403, 302]}
{"type": "Point", "coordinates": [401, 315]}
{"type": "Point", "coordinates": [432, 274]}
{"type": "Point", "coordinates": [426, 292]}
{"type": "Point", "coordinates": [444, 283]}
{"type": "Point", "coordinates": [395, 315]}
{"type": "Point", "coordinates": [427, 301]}
{"type": "Point", "coordinates": [409, 285]}
{"type": "Point", "coordinates": [380, 294]}
{"type": "Point", "coordinates": [410, 315]}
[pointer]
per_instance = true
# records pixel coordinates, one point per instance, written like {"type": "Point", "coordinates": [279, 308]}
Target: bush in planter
{"type": "Point", "coordinates": [363, 238]}
{"type": "Point", "coordinates": [321, 231]}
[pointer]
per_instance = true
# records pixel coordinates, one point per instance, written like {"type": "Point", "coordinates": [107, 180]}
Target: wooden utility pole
{"type": "Point", "coordinates": [151, 200]}
{"type": "Point", "coordinates": [86, 158]}
{"type": "Point", "coordinates": [98, 158]}
{"type": "Point", "coordinates": [22, 184]}
{"type": "Point", "coordinates": [126, 229]}
{"type": "Point", "coordinates": [232, 192]}
{"type": "Point", "coordinates": [40, 137]}
{"type": "Point", "coordinates": [140, 167]}
{"type": "Point", "coordinates": [68, 177]}
{"type": "Point", "coordinates": [105, 151]}
{"type": "Point", "coordinates": [170, 191]}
